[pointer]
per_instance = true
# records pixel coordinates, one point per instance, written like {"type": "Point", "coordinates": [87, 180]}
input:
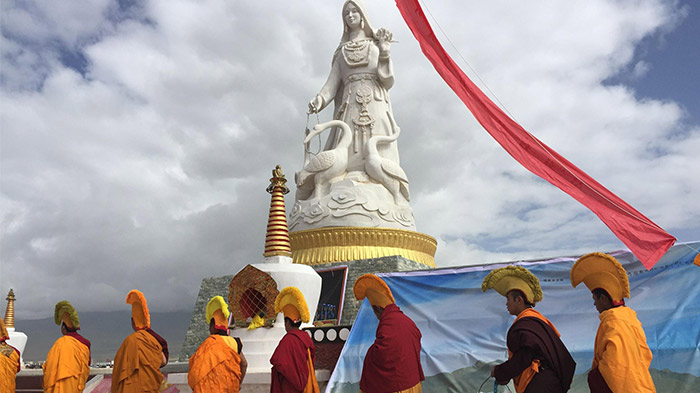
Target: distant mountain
{"type": "Point", "coordinates": [105, 330]}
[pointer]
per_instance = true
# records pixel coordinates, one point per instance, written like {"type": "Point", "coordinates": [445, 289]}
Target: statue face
{"type": "Point", "coordinates": [352, 16]}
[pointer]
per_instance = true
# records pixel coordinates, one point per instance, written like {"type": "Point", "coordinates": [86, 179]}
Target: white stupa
{"type": "Point", "coordinates": [259, 343]}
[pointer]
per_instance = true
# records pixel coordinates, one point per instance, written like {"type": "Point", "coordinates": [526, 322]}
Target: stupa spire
{"type": "Point", "coordinates": [10, 310]}
{"type": "Point", "coordinates": [277, 237]}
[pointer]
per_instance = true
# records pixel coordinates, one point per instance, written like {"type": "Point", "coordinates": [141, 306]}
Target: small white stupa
{"type": "Point", "coordinates": [248, 298]}
{"type": "Point", "coordinates": [17, 339]}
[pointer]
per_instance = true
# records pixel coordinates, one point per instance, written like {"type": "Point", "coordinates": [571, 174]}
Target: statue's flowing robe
{"type": "Point", "coordinates": [9, 367]}
{"type": "Point", "coordinates": [137, 363]}
{"type": "Point", "coordinates": [359, 90]}
{"type": "Point", "coordinates": [67, 364]}
{"type": "Point", "coordinates": [392, 363]}
{"type": "Point", "coordinates": [621, 356]}
{"type": "Point", "coordinates": [216, 366]}
{"type": "Point", "coordinates": [538, 361]}
{"type": "Point", "coordinates": [293, 365]}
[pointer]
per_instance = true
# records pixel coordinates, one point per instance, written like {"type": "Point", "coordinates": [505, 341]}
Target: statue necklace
{"type": "Point", "coordinates": [356, 53]}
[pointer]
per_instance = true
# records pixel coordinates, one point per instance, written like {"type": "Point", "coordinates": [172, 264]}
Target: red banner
{"type": "Point", "coordinates": [645, 239]}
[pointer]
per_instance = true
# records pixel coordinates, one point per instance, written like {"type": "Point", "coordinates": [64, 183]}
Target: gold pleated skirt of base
{"type": "Point", "coordinates": [342, 244]}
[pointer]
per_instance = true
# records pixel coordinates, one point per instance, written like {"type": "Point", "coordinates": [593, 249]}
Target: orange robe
{"type": "Point", "coordinates": [67, 365]}
{"type": "Point", "coordinates": [216, 366]}
{"type": "Point", "coordinates": [621, 353]}
{"type": "Point", "coordinates": [137, 364]}
{"type": "Point", "coordinates": [9, 367]}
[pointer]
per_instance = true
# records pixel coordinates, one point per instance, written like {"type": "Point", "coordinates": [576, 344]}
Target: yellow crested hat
{"type": "Point", "coordinates": [217, 309]}
{"type": "Point", "coordinates": [506, 279]}
{"type": "Point", "coordinates": [373, 288]}
{"type": "Point", "coordinates": [139, 309]}
{"type": "Point", "coordinates": [598, 270]}
{"type": "Point", "coordinates": [64, 312]}
{"type": "Point", "coordinates": [291, 302]}
{"type": "Point", "coordinates": [4, 335]}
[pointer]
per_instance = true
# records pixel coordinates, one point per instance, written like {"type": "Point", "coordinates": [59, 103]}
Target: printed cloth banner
{"type": "Point", "coordinates": [464, 329]}
{"type": "Point", "coordinates": [647, 240]}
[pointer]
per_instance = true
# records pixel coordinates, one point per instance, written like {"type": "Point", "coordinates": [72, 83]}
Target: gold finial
{"type": "Point", "coordinates": [277, 237]}
{"type": "Point", "coordinates": [278, 180]}
{"type": "Point", "coordinates": [10, 310]}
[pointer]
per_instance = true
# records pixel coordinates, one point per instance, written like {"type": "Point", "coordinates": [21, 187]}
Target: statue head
{"type": "Point", "coordinates": [358, 19]}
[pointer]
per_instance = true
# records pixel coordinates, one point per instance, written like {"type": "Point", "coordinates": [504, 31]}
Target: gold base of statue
{"type": "Point", "coordinates": [341, 244]}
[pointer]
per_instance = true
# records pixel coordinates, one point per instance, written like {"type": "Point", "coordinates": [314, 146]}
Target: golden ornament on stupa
{"type": "Point", "coordinates": [10, 310]}
{"type": "Point", "coordinates": [277, 237]}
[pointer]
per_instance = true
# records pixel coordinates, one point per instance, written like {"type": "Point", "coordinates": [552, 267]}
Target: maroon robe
{"type": "Point", "coordinates": [596, 383]}
{"type": "Point", "coordinates": [161, 341]}
{"type": "Point", "coordinates": [290, 372]}
{"type": "Point", "coordinates": [392, 362]}
{"type": "Point", "coordinates": [529, 339]}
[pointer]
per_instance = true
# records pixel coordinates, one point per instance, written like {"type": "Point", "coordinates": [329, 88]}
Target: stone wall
{"type": "Point", "coordinates": [199, 328]}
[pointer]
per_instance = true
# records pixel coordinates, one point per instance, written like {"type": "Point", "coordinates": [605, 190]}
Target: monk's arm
{"type": "Point", "coordinates": [243, 365]}
{"type": "Point", "coordinates": [520, 360]}
{"type": "Point", "coordinates": [611, 354]}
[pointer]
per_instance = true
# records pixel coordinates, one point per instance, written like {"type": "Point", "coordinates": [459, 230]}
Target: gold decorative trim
{"type": "Point", "coordinates": [341, 244]}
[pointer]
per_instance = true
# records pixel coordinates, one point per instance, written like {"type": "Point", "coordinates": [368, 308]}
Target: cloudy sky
{"type": "Point", "coordinates": [137, 137]}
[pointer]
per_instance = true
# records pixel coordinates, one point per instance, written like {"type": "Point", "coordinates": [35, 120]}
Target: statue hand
{"type": "Point", "coordinates": [383, 35]}
{"type": "Point", "coordinates": [315, 104]}
{"type": "Point", "coordinates": [384, 38]}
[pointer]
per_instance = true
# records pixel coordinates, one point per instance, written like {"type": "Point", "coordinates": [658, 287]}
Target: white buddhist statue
{"type": "Point", "coordinates": [356, 180]}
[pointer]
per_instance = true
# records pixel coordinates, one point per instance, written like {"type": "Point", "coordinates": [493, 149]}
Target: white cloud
{"type": "Point", "coordinates": [147, 168]}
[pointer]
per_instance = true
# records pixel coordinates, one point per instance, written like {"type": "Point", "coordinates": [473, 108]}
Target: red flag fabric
{"type": "Point", "coordinates": [644, 238]}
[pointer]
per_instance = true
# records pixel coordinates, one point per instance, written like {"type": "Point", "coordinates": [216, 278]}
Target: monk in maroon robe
{"type": "Point", "coordinates": [293, 360]}
{"type": "Point", "coordinates": [538, 361]}
{"type": "Point", "coordinates": [290, 368]}
{"type": "Point", "coordinates": [392, 363]}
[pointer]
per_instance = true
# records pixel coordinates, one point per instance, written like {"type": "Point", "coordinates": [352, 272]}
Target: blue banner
{"type": "Point", "coordinates": [464, 329]}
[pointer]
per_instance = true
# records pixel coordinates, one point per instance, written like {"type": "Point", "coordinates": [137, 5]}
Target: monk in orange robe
{"type": "Point", "coordinates": [538, 361]}
{"type": "Point", "coordinates": [621, 356]}
{"type": "Point", "coordinates": [67, 365]}
{"type": "Point", "coordinates": [293, 360]}
{"type": "Point", "coordinates": [9, 362]}
{"type": "Point", "coordinates": [139, 359]}
{"type": "Point", "coordinates": [392, 363]}
{"type": "Point", "coordinates": [218, 366]}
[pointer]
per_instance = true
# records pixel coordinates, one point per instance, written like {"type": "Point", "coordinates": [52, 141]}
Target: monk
{"type": "Point", "coordinates": [9, 362]}
{"type": "Point", "coordinates": [621, 356]}
{"type": "Point", "coordinates": [392, 363]}
{"type": "Point", "coordinates": [218, 365]}
{"type": "Point", "coordinates": [67, 365]}
{"type": "Point", "coordinates": [293, 360]}
{"type": "Point", "coordinates": [139, 359]}
{"type": "Point", "coordinates": [538, 361]}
